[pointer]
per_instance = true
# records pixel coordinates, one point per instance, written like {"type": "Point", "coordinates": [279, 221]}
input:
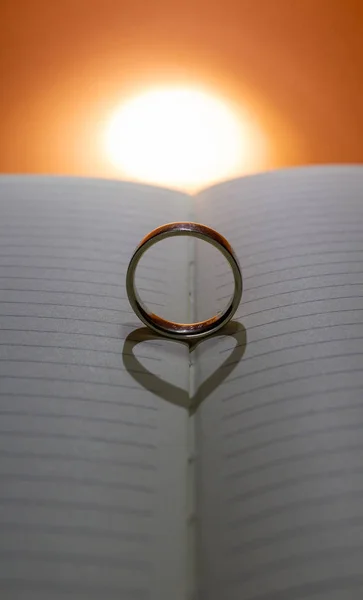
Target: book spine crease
{"type": "Point", "coordinates": [191, 473]}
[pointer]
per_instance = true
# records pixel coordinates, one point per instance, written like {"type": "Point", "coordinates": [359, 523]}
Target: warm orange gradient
{"type": "Point", "coordinates": [296, 67]}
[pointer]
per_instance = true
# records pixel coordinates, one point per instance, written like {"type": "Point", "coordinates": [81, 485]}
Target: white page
{"type": "Point", "coordinates": [280, 441]}
{"type": "Point", "coordinates": [92, 464]}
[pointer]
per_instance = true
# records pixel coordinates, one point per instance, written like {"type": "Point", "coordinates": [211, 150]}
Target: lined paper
{"type": "Point", "coordinates": [280, 442]}
{"type": "Point", "coordinates": [92, 464]}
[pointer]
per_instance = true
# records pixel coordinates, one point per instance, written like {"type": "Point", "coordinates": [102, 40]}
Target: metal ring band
{"type": "Point", "coordinates": [184, 331]}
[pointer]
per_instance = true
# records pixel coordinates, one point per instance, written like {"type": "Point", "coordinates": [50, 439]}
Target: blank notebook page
{"type": "Point", "coordinates": [280, 441]}
{"type": "Point", "coordinates": [92, 469]}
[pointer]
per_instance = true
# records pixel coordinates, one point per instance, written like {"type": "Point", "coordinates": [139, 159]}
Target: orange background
{"type": "Point", "coordinates": [65, 65]}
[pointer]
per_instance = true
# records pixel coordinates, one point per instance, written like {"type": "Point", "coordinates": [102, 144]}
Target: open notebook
{"type": "Point", "coordinates": [137, 468]}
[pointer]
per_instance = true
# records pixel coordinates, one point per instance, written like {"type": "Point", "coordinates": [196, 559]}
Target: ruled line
{"type": "Point", "coordinates": [290, 459]}
{"type": "Point", "coordinates": [309, 227]}
{"type": "Point", "coordinates": [303, 290]}
{"type": "Point", "coordinates": [289, 398]}
{"type": "Point", "coordinates": [65, 268]}
{"type": "Point", "coordinates": [93, 460]}
{"type": "Point", "coordinates": [276, 351]}
{"type": "Point", "coordinates": [70, 380]}
{"type": "Point", "coordinates": [61, 280]}
{"type": "Point", "coordinates": [74, 334]}
{"type": "Point", "coordinates": [300, 559]}
{"type": "Point", "coordinates": [327, 312]}
{"type": "Point", "coordinates": [302, 302]}
{"type": "Point", "coordinates": [76, 530]}
{"type": "Point", "coordinates": [312, 412]}
{"type": "Point", "coordinates": [102, 239]}
{"type": "Point", "coordinates": [254, 217]}
{"type": "Point", "coordinates": [117, 402]}
{"type": "Point", "coordinates": [105, 560]}
{"type": "Point", "coordinates": [77, 482]}
{"type": "Point", "coordinates": [305, 329]}
{"type": "Point", "coordinates": [115, 218]}
{"type": "Point", "coordinates": [299, 238]}
{"type": "Point", "coordinates": [87, 590]}
{"type": "Point", "coordinates": [313, 528]}
{"type": "Point", "coordinates": [288, 363]}
{"type": "Point", "coordinates": [73, 319]}
{"type": "Point", "coordinates": [68, 504]}
{"type": "Point", "coordinates": [329, 274]}
{"type": "Point", "coordinates": [319, 501]}
{"type": "Point", "coordinates": [75, 417]}
{"type": "Point", "coordinates": [295, 256]}
{"type": "Point", "coordinates": [294, 267]}
{"type": "Point", "coordinates": [70, 437]}
{"type": "Point", "coordinates": [73, 269]}
{"type": "Point", "coordinates": [284, 484]}
{"type": "Point", "coordinates": [64, 293]}
{"type": "Point", "coordinates": [283, 281]}
{"type": "Point", "coordinates": [290, 332]}
{"type": "Point", "coordinates": [118, 369]}
{"type": "Point", "coordinates": [71, 258]}
{"type": "Point", "coordinates": [291, 380]}
{"type": "Point", "coordinates": [272, 224]}
{"type": "Point", "coordinates": [61, 305]}
{"type": "Point", "coordinates": [326, 586]}
{"type": "Point", "coordinates": [297, 243]}
{"type": "Point", "coordinates": [81, 348]}
{"type": "Point", "coordinates": [293, 436]}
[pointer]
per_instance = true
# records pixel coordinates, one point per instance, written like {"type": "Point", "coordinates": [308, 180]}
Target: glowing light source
{"type": "Point", "coordinates": [177, 137]}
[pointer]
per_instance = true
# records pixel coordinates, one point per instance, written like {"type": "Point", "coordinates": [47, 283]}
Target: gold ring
{"type": "Point", "coordinates": [170, 329]}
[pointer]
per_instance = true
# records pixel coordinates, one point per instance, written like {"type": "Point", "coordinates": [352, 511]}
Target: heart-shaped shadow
{"type": "Point", "coordinates": [172, 393]}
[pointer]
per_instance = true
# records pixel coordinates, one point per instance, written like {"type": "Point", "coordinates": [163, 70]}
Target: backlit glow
{"type": "Point", "coordinates": [175, 137]}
